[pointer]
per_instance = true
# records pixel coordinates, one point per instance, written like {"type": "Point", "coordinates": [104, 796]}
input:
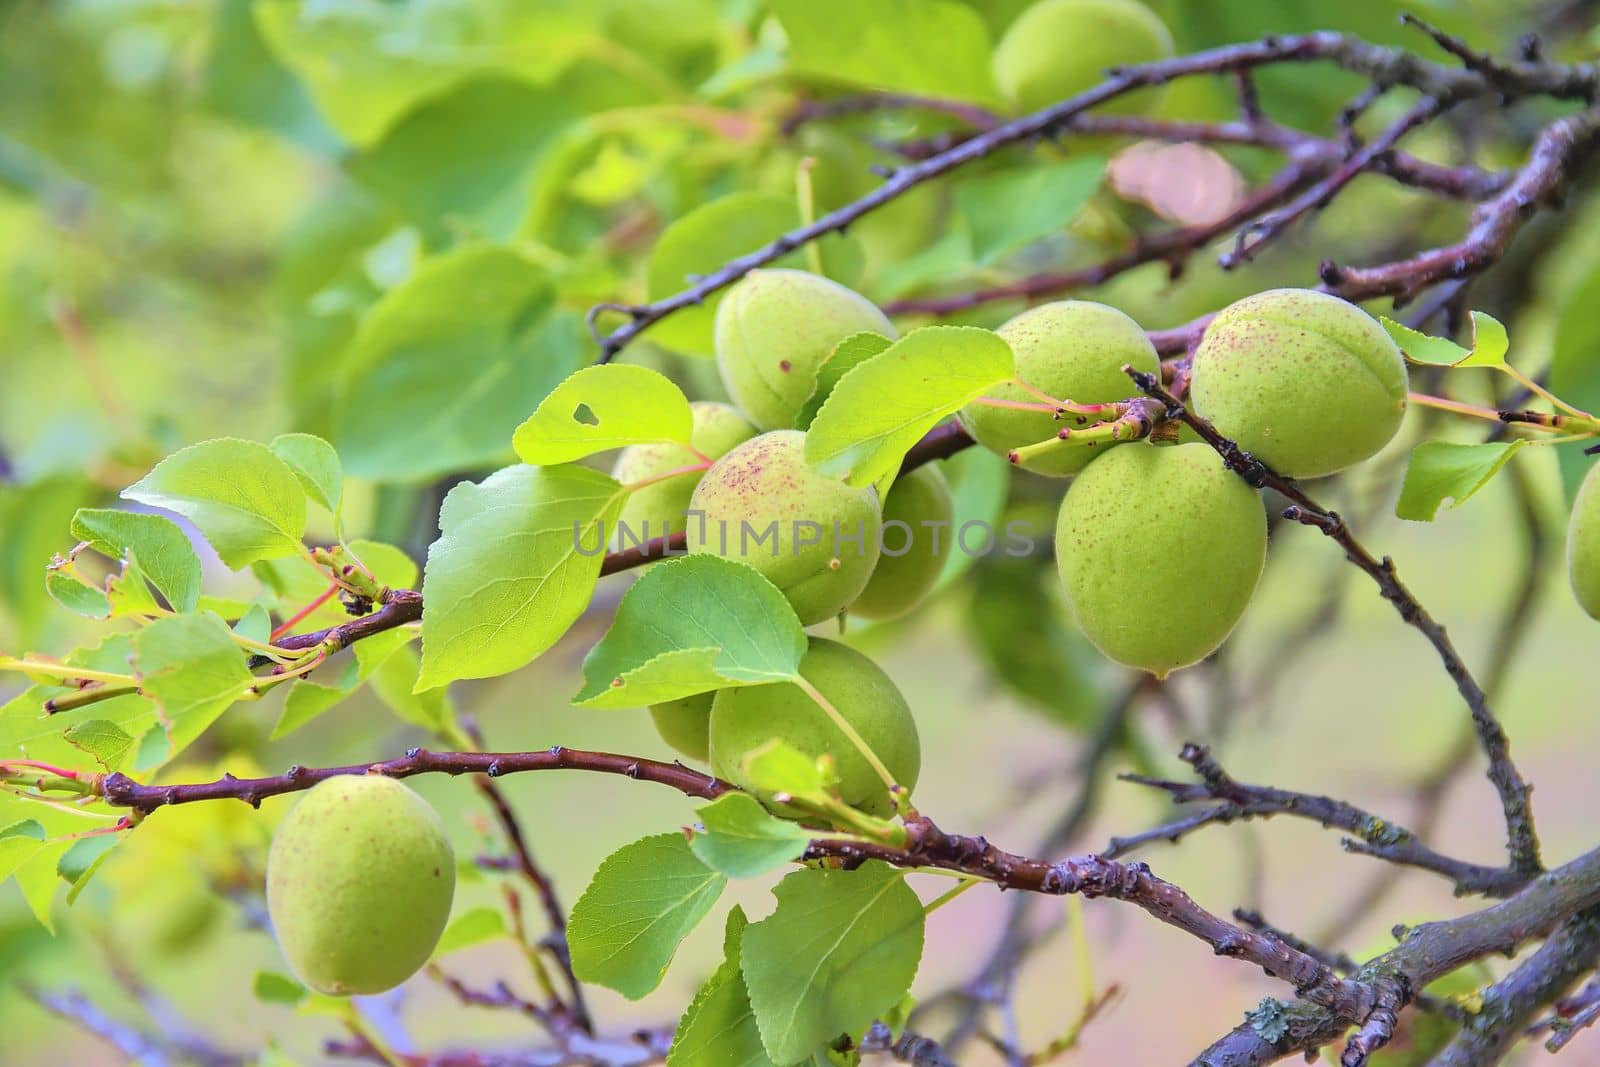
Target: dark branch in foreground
{"type": "Point", "coordinates": [1522, 841]}
{"type": "Point", "coordinates": [1373, 835]}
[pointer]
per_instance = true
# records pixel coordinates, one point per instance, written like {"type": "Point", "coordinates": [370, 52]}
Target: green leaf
{"type": "Point", "coordinates": [1440, 470]}
{"type": "Point", "coordinates": [316, 464]}
{"type": "Point", "coordinates": [980, 483]}
{"type": "Point", "coordinates": [742, 840]}
{"type": "Point", "coordinates": [709, 236]}
{"type": "Point", "coordinates": [718, 1029]}
{"type": "Point", "coordinates": [106, 742]}
{"type": "Point", "coordinates": [272, 988]}
{"type": "Point", "coordinates": [367, 62]}
{"type": "Point", "coordinates": [308, 699]}
{"type": "Point", "coordinates": [846, 355]}
{"type": "Point", "coordinates": [471, 928]}
{"type": "Point", "coordinates": [191, 668]}
{"type": "Point", "coordinates": [598, 408]}
{"type": "Point", "coordinates": [1010, 208]}
{"type": "Point", "coordinates": [74, 594]}
{"type": "Point", "coordinates": [776, 767]}
{"type": "Point", "coordinates": [246, 501]}
{"type": "Point", "coordinates": [1489, 344]}
{"type": "Point", "coordinates": [78, 864]}
{"type": "Point", "coordinates": [840, 950]}
{"type": "Point", "coordinates": [506, 577]}
{"type": "Point", "coordinates": [644, 900]}
{"type": "Point", "coordinates": [469, 154]}
{"type": "Point", "coordinates": [394, 678]}
{"type": "Point", "coordinates": [935, 47]}
{"type": "Point", "coordinates": [884, 406]}
{"type": "Point", "coordinates": [447, 364]}
{"type": "Point", "coordinates": [690, 625]}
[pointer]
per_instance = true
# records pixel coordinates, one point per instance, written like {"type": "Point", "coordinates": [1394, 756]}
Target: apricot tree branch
{"type": "Point", "coordinates": [1522, 840]}
{"type": "Point", "coordinates": [1372, 835]}
{"type": "Point", "coordinates": [1384, 65]}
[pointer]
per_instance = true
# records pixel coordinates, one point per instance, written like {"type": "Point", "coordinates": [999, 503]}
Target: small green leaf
{"type": "Point", "coordinates": [1010, 208]}
{"type": "Point", "coordinates": [742, 840]}
{"type": "Point", "coordinates": [644, 900]}
{"type": "Point", "coordinates": [71, 592]}
{"type": "Point", "coordinates": [690, 625]}
{"type": "Point", "coordinates": [255, 624]}
{"type": "Point", "coordinates": [840, 950]}
{"type": "Point", "coordinates": [106, 742]}
{"type": "Point", "coordinates": [471, 928]}
{"type": "Point", "coordinates": [935, 47]}
{"type": "Point", "coordinates": [884, 406]}
{"type": "Point", "coordinates": [1489, 344]}
{"type": "Point", "coordinates": [776, 767]}
{"type": "Point", "coordinates": [598, 408]}
{"type": "Point", "coordinates": [78, 864]}
{"type": "Point", "coordinates": [316, 464]}
{"type": "Point", "coordinates": [513, 568]}
{"type": "Point", "coordinates": [1440, 470]}
{"type": "Point", "coordinates": [306, 701]}
{"type": "Point", "coordinates": [246, 501]}
{"type": "Point", "coordinates": [853, 350]}
{"type": "Point", "coordinates": [718, 1029]}
{"type": "Point", "coordinates": [191, 668]}
{"type": "Point", "coordinates": [272, 988]}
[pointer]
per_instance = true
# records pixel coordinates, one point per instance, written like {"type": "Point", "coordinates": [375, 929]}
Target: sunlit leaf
{"type": "Point", "coordinates": [884, 406]}
{"type": "Point", "coordinates": [246, 501]}
{"type": "Point", "coordinates": [935, 47]}
{"type": "Point", "coordinates": [598, 408]}
{"type": "Point", "coordinates": [514, 566]}
{"type": "Point", "coordinates": [1441, 470]}
{"type": "Point", "coordinates": [690, 625]}
{"type": "Point", "coordinates": [642, 903]}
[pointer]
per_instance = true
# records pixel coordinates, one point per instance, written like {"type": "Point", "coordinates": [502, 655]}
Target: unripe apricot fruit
{"type": "Point", "coordinates": [774, 329]}
{"type": "Point", "coordinates": [1059, 48]}
{"type": "Point", "coordinates": [1583, 543]}
{"type": "Point", "coordinates": [747, 718]}
{"type": "Point", "coordinates": [658, 509]}
{"type": "Point", "coordinates": [1159, 549]}
{"type": "Point", "coordinates": [814, 537]}
{"type": "Point", "coordinates": [917, 513]}
{"type": "Point", "coordinates": [1306, 382]}
{"type": "Point", "coordinates": [685, 724]}
{"type": "Point", "coordinates": [359, 881]}
{"type": "Point", "coordinates": [1071, 350]}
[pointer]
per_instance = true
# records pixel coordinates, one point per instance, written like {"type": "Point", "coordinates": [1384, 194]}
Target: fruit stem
{"type": "Point", "coordinates": [294, 620]}
{"type": "Point", "coordinates": [1019, 405]}
{"type": "Point", "coordinates": [1539, 390]}
{"type": "Point", "coordinates": [1112, 409]}
{"type": "Point", "coordinates": [1444, 404]}
{"type": "Point", "coordinates": [1086, 437]}
{"type": "Point", "coordinates": [948, 895]}
{"type": "Point", "coordinates": [849, 731]}
{"type": "Point", "coordinates": [64, 672]}
{"type": "Point", "coordinates": [808, 211]}
{"type": "Point", "coordinates": [664, 475]}
{"type": "Point", "coordinates": [86, 696]}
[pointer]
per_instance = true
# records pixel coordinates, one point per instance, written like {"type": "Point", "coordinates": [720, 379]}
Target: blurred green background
{"type": "Point", "coordinates": [204, 204]}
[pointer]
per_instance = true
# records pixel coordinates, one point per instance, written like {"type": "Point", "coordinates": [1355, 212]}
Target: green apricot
{"type": "Point", "coordinates": [1059, 48]}
{"type": "Point", "coordinates": [744, 719]}
{"type": "Point", "coordinates": [655, 510]}
{"type": "Point", "coordinates": [774, 330]}
{"type": "Point", "coordinates": [1159, 549]}
{"type": "Point", "coordinates": [685, 724]}
{"type": "Point", "coordinates": [1583, 544]}
{"type": "Point", "coordinates": [814, 537]}
{"type": "Point", "coordinates": [1306, 382]}
{"type": "Point", "coordinates": [1070, 350]}
{"type": "Point", "coordinates": [917, 515]}
{"type": "Point", "coordinates": [359, 882]}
